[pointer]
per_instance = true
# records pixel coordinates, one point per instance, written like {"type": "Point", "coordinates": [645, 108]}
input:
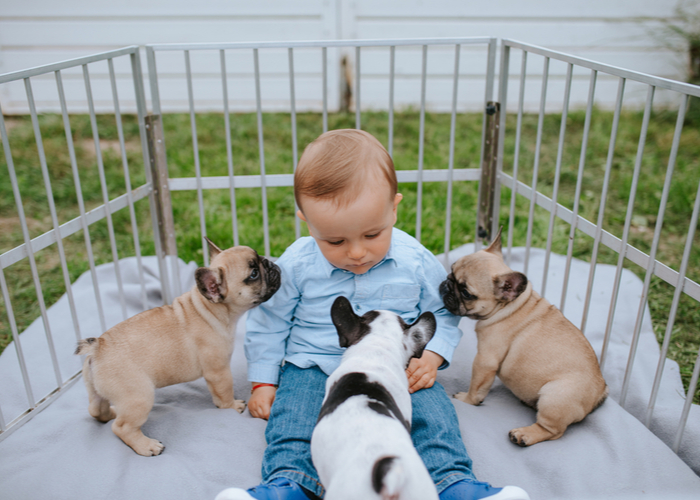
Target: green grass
{"type": "Point", "coordinates": [685, 341]}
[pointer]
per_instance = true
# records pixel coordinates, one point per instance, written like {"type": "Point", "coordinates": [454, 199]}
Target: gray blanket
{"type": "Point", "coordinates": [63, 453]}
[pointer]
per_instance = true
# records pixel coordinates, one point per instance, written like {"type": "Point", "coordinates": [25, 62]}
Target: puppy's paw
{"type": "Point", "coordinates": [518, 437]}
{"type": "Point", "coordinates": [239, 405]}
{"type": "Point", "coordinates": [527, 436]}
{"type": "Point", "coordinates": [467, 398]}
{"type": "Point", "coordinates": [533, 434]}
{"type": "Point", "coordinates": [462, 396]}
{"type": "Point", "coordinates": [150, 448]}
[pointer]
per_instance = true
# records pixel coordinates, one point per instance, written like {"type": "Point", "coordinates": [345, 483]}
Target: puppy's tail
{"type": "Point", "coordinates": [87, 346]}
{"type": "Point", "coordinates": [388, 478]}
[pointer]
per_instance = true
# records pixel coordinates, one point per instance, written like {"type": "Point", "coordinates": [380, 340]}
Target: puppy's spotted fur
{"type": "Point", "coordinates": [361, 446]}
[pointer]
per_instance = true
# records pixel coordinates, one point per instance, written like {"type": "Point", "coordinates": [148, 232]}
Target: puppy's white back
{"type": "Point", "coordinates": [346, 445]}
{"type": "Point", "coordinates": [361, 446]}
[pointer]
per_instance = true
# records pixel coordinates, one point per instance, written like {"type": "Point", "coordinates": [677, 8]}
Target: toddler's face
{"type": "Point", "coordinates": [353, 237]}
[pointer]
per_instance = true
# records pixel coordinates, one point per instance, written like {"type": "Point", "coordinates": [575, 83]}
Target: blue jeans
{"type": "Point", "coordinates": [435, 432]}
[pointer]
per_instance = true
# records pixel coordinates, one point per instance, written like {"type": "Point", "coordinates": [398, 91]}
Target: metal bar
{"type": "Point", "coordinates": [103, 185]}
{"type": "Point", "coordinates": [153, 80]}
{"type": "Point", "coordinates": [261, 146]}
{"type": "Point", "coordinates": [5, 291]}
{"type": "Point", "coordinates": [17, 343]}
{"type": "Point", "coordinates": [392, 77]}
{"type": "Point", "coordinates": [323, 43]}
{"type": "Point", "coordinates": [159, 170]}
{"type": "Point", "coordinates": [536, 166]}
{"type": "Point", "coordinates": [557, 174]}
{"type": "Point", "coordinates": [421, 144]}
{"type": "Point", "coordinates": [450, 163]}
{"type": "Point", "coordinates": [356, 91]}
{"type": "Point", "coordinates": [52, 205]}
{"type": "Point", "coordinates": [672, 313]}
{"type": "Point", "coordinates": [627, 225]}
{"type": "Point", "coordinates": [500, 123]}
{"type": "Point", "coordinates": [146, 151]}
{"type": "Point", "coordinates": [287, 180]}
{"type": "Point", "coordinates": [197, 166]}
{"type": "Point", "coordinates": [516, 154]}
{"type": "Point", "coordinates": [324, 55]}
{"type": "Point", "coordinates": [70, 63]}
{"type": "Point", "coordinates": [81, 201]}
{"type": "Point", "coordinates": [489, 172]}
{"type": "Point", "coordinates": [30, 255]}
{"type": "Point", "coordinates": [491, 68]}
{"type": "Point", "coordinates": [601, 208]}
{"type": "Point", "coordinates": [654, 246]}
{"type": "Point", "coordinates": [579, 183]}
{"type": "Point", "coordinates": [158, 166]}
{"type": "Point", "coordinates": [292, 100]}
{"type": "Point", "coordinates": [686, 406]}
{"type": "Point", "coordinates": [127, 181]}
{"type": "Point", "coordinates": [229, 148]}
{"type": "Point", "coordinates": [656, 81]}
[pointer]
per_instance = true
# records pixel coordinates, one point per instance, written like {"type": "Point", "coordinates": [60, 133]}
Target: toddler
{"type": "Point", "coordinates": [346, 189]}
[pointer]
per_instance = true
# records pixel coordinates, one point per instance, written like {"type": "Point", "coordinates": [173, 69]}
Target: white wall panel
{"type": "Point", "coordinates": [623, 33]}
{"type": "Point", "coordinates": [36, 32]}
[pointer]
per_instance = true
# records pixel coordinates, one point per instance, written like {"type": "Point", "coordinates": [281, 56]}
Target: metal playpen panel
{"type": "Point", "coordinates": [532, 184]}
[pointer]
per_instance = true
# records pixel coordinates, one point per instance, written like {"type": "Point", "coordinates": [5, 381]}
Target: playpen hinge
{"type": "Point", "coordinates": [489, 171]}
{"type": "Point", "coordinates": [161, 189]}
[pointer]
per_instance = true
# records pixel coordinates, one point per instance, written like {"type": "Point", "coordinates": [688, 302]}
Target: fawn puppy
{"type": "Point", "coordinates": [538, 354]}
{"type": "Point", "coordinates": [175, 343]}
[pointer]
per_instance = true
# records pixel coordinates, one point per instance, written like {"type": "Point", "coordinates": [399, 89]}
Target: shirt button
{"type": "Point", "coordinates": [357, 307]}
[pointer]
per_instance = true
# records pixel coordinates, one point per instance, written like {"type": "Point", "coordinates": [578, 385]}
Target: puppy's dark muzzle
{"type": "Point", "coordinates": [273, 279]}
{"type": "Point", "coordinates": [449, 297]}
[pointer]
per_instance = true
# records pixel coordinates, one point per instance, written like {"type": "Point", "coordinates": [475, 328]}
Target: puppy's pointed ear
{"type": "Point", "coordinates": [508, 287]}
{"type": "Point", "coordinates": [420, 333]}
{"type": "Point", "coordinates": [213, 249]}
{"type": "Point", "coordinates": [211, 283]}
{"type": "Point", "coordinates": [495, 246]}
{"type": "Point", "coordinates": [347, 323]}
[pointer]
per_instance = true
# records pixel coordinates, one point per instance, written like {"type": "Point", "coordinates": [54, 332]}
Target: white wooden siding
{"type": "Point", "coordinates": [620, 33]}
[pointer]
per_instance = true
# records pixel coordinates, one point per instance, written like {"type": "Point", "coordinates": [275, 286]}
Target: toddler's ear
{"type": "Point", "coordinates": [300, 214]}
{"type": "Point", "coordinates": [397, 199]}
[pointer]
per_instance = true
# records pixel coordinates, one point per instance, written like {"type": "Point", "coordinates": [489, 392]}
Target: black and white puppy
{"type": "Point", "coordinates": [361, 446]}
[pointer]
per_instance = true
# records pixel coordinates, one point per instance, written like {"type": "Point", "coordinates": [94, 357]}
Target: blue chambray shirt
{"type": "Point", "coordinates": [295, 325]}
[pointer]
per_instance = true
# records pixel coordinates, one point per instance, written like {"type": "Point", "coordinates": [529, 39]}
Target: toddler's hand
{"type": "Point", "coordinates": [421, 372]}
{"type": "Point", "coordinates": [261, 401]}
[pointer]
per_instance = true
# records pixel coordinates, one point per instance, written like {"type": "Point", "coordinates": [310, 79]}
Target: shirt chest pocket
{"type": "Point", "coordinates": [401, 298]}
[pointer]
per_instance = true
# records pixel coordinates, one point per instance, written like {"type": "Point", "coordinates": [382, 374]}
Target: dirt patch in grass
{"type": "Point", "coordinates": [108, 146]}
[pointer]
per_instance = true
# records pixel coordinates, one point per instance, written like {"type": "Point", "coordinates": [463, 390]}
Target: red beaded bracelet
{"type": "Point", "coordinates": [261, 385]}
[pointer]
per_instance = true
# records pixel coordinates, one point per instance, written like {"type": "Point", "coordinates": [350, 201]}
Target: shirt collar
{"type": "Point", "coordinates": [328, 268]}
